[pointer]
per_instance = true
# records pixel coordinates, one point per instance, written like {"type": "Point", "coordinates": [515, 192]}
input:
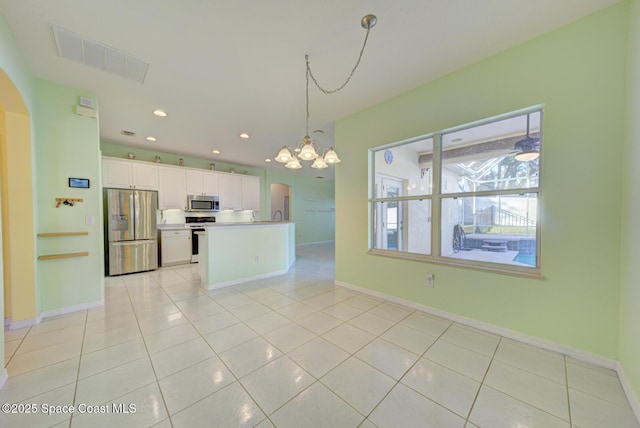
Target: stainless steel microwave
{"type": "Point", "coordinates": [203, 203]}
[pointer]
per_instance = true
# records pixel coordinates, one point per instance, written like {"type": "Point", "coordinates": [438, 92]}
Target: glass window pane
{"type": "Point", "coordinates": [407, 164]}
{"type": "Point", "coordinates": [494, 229]}
{"type": "Point", "coordinates": [402, 226]}
{"type": "Point", "coordinates": [490, 156]}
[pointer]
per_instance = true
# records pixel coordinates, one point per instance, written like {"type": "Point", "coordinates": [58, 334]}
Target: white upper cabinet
{"type": "Point", "coordinates": [174, 183]}
{"type": "Point", "coordinates": [211, 183]}
{"type": "Point", "coordinates": [201, 182]}
{"type": "Point", "coordinates": [250, 193]}
{"type": "Point", "coordinates": [145, 176]}
{"type": "Point", "coordinates": [230, 192]}
{"type": "Point", "coordinates": [173, 188]}
{"type": "Point", "coordinates": [126, 174]}
{"type": "Point", "coordinates": [194, 182]}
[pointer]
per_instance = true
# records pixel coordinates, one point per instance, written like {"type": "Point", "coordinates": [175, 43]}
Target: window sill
{"type": "Point", "coordinates": [502, 269]}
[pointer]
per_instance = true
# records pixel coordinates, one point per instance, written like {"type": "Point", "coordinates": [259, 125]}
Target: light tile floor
{"type": "Point", "coordinates": [289, 351]}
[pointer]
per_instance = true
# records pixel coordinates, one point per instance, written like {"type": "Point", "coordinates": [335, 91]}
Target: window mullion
{"type": "Point", "coordinates": [436, 202]}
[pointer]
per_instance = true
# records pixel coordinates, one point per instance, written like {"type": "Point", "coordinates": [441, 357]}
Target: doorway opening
{"type": "Point", "coordinates": [280, 202]}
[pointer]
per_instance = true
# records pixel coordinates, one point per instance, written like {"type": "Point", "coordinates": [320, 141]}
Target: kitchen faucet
{"type": "Point", "coordinates": [276, 212]}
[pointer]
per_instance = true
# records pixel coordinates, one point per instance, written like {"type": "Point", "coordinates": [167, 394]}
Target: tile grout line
{"type": "Point", "coordinates": [164, 401]}
{"type": "Point", "coordinates": [17, 347]}
{"type": "Point", "coordinates": [75, 390]}
{"type": "Point", "coordinates": [475, 399]}
{"type": "Point", "coordinates": [407, 371]}
{"type": "Point", "coordinates": [566, 380]}
{"type": "Point", "coordinates": [219, 359]}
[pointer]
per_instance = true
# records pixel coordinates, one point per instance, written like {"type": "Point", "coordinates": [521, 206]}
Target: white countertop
{"type": "Point", "coordinates": [250, 224]}
{"type": "Point", "coordinates": [182, 226]}
{"type": "Point", "coordinates": [178, 226]}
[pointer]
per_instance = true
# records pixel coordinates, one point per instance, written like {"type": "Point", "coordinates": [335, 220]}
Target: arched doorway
{"type": "Point", "coordinates": [280, 202]}
{"type": "Point", "coordinates": [16, 194]}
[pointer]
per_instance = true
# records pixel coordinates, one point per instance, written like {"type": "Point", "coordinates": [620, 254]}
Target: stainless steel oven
{"type": "Point", "coordinates": [197, 225]}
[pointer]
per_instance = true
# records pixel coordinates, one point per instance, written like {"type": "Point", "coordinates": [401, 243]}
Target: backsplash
{"type": "Point", "coordinates": [177, 216]}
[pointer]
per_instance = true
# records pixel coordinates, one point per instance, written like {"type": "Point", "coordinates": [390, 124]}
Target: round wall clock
{"type": "Point", "coordinates": [388, 157]}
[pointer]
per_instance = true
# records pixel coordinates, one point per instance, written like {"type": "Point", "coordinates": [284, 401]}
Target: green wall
{"type": "Point", "coordinates": [577, 72]}
{"type": "Point", "coordinates": [312, 199]}
{"type": "Point", "coordinates": [67, 145]}
{"type": "Point", "coordinates": [312, 204]}
{"type": "Point", "coordinates": [630, 248]}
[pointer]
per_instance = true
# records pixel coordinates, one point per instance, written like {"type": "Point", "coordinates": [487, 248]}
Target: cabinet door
{"type": "Point", "coordinates": [211, 184]}
{"type": "Point", "coordinates": [230, 191]}
{"type": "Point", "coordinates": [251, 193]}
{"type": "Point", "coordinates": [116, 173]}
{"type": "Point", "coordinates": [194, 182]}
{"type": "Point", "coordinates": [176, 247]}
{"type": "Point", "coordinates": [144, 176]}
{"type": "Point", "coordinates": [173, 188]}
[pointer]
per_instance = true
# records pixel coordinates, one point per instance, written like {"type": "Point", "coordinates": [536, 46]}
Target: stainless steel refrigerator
{"type": "Point", "coordinates": [130, 231]}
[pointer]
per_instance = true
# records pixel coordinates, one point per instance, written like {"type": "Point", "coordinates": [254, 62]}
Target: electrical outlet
{"type": "Point", "coordinates": [430, 279]}
{"type": "Point", "coordinates": [257, 259]}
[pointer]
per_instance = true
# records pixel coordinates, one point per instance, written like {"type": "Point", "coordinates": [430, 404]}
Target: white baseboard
{"type": "Point", "coordinates": [69, 309]}
{"type": "Point", "coordinates": [15, 325]}
{"type": "Point", "coordinates": [210, 287]}
{"type": "Point", "coordinates": [3, 378]}
{"type": "Point", "coordinates": [569, 351]}
{"type": "Point", "coordinates": [629, 392]}
{"type": "Point", "coordinates": [578, 354]}
{"type": "Point", "coordinates": [308, 244]}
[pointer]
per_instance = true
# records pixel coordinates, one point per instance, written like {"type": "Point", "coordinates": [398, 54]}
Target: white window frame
{"type": "Point", "coordinates": [437, 196]}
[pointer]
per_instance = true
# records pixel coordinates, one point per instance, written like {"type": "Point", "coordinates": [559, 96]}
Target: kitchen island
{"type": "Point", "coordinates": [231, 253]}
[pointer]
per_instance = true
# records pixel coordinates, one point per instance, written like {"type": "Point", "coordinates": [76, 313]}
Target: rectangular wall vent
{"type": "Point", "coordinates": [98, 55]}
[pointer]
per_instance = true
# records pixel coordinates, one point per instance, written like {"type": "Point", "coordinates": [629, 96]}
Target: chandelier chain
{"type": "Point", "coordinates": [333, 91]}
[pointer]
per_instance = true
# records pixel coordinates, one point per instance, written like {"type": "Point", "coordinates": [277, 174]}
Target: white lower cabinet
{"type": "Point", "coordinates": [175, 247]}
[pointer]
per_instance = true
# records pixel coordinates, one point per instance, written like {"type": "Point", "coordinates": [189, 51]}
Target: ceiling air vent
{"type": "Point", "coordinates": [98, 55]}
{"type": "Point", "coordinates": [128, 133]}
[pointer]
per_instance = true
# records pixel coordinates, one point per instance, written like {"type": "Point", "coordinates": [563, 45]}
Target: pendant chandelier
{"type": "Point", "coordinates": [308, 149]}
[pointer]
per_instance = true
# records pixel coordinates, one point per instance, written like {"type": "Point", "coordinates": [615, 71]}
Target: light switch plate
{"type": "Point", "coordinates": [90, 220]}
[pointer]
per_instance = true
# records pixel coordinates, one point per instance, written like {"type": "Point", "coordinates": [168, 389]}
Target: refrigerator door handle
{"type": "Point", "coordinates": [125, 243]}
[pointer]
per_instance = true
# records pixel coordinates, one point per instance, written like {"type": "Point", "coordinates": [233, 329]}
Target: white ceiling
{"type": "Point", "coordinates": [220, 68]}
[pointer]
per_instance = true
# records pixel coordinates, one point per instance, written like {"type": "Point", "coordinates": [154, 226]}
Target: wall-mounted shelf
{"type": "Point", "coordinates": [59, 234]}
{"type": "Point", "coordinates": [63, 256]}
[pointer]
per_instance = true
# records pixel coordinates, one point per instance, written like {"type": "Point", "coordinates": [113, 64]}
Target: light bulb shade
{"type": "Point", "coordinates": [293, 164]}
{"type": "Point", "coordinates": [308, 152]}
{"type": "Point", "coordinates": [284, 155]}
{"type": "Point", "coordinates": [319, 163]}
{"type": "Point", "coordinates": [331, 157]}
{"type": "Point", "coordinates": [528, 149]}
{"type": "Point", "coordinates": [527, 156]}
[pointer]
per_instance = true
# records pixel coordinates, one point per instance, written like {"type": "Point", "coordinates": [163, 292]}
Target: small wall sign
{"type": "Point", "coordinates": [80, 183]}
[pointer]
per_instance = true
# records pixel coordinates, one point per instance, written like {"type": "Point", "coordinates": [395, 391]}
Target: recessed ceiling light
{"type": "Point", "coordinates": [318, 131]}
{"type": "Point", "coordinates": [215, 152]}
{"type": "Point", "coordinates": [160, 113]}
{"type": "Point", "coordinates": [267, 160]}
{"type": "Point", "coordinates": [244, 135]}
{"type": "Point", "coordinates": [150, 138]}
